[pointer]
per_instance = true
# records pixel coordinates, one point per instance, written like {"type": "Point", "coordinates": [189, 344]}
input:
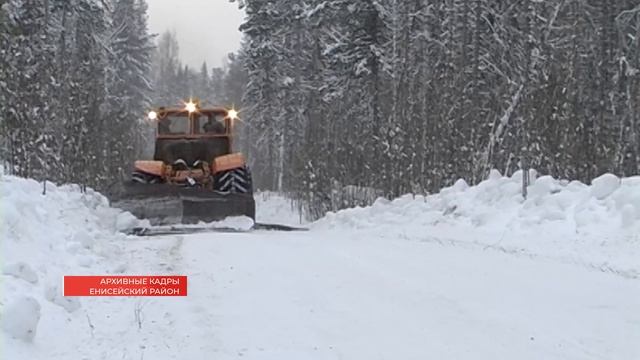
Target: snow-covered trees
{"type": "Point", "coordinates": [174, 82]}
{"type": "Point", "coordinates": [165, 68]}
{"type": "Point", "coordinates": [406, 96]}
{"type": "Point", "coordinates": [28, 87]}
{"type": "Point", "coordinates": [385, 96]}
{"type": "Point", "coordinates": [128, 83]}
{"type": "Point", "coordinates": [73, 85]}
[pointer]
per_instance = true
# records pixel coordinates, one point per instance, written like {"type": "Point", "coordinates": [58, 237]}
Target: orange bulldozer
{"type": "Point", "coordinates": [194, 174]}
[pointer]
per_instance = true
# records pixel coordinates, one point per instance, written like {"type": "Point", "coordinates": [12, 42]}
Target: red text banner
{"type": "Point", "coordinates": [125, 285]}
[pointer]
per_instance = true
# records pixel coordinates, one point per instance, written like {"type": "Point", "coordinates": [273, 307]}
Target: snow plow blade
{"type": "Point", "coordinates": [163, 204]}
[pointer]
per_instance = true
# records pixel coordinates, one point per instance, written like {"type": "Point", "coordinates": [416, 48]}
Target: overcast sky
{"type": "Point", "coordinates": [207, 29]}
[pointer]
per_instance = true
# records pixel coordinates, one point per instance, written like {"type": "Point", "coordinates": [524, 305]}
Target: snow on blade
{"type": "Point", "coordinates": [274, 208]}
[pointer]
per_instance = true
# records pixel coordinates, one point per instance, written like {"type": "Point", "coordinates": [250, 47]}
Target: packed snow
{"type": "Point", "coordinates": [20, 318]}
{"type": "Point", "coordinates": [473, 272]}
{"type": "Point", "coordinates": [22, 271]}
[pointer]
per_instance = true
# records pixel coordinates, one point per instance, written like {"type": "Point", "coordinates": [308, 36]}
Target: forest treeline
{"type": "Point", "coordinates": [407, 96]}
{"type": "Point", "coordinates": [74, 75]}
{"type": "Point", "coordinates": [175, 82]}
{"type": "Point", "coordinates": [341, 100]}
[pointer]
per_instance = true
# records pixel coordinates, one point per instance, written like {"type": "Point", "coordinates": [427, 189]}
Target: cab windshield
{"type": "Point", "coordinates": [174, 125]}
{"type": "Point", "coordinates": [211, 123]}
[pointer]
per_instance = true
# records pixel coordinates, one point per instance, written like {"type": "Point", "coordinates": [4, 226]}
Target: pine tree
{"type": "Point", "coordinates": [27, 86]}
{"type": "Point", "coordinates": [165, 69]}
{"type": "Point", "coordinates": [128, 84]}
{"type": "Point", "coordinates": [262, 59]}
{"type": "Point", "coordinates": [203, 84]}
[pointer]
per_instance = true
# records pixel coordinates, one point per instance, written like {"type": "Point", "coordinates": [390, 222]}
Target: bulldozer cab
{"type": "Point", "coordinates": [193, 135]}
{"type": "Point", "coordinates": [182, 124]}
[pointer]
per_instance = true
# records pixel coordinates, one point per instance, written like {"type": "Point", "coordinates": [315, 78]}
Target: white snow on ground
{"type": "Point", "coordinates": [20, 318]}
{"type": "Point", "coordinates": [596, 226]}
{"type": "Point", "coordinates": [346, 295]}
{"type": "Point", "coordinates": [469, 273]}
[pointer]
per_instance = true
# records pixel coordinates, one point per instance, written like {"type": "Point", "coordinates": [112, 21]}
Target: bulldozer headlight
{"type": "Point", "coordinates": [191, 106]}
{"type": "Point", "coordinates": [152, 115]}
{"type": "Point", "coordinates": [232, 114]}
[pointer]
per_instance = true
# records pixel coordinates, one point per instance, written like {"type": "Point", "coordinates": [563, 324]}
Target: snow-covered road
{"type": "Point", "coordinates": [323, 295]}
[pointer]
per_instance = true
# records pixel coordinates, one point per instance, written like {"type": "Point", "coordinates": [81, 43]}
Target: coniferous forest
{"type": "Point", "coordinates": [341, 100]}
{"type": "Point", "coordinates": [73, 78]}
{"type": "Point", "coordinates": [408, 96]}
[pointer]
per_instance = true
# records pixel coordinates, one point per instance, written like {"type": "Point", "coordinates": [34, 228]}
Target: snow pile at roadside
{"type": "Point", "coordinates": [596, 225]}
{"type": "Point", "coordinates": [65, 232]}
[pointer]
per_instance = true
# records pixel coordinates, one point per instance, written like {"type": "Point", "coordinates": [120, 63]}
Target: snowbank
{"type": "Point", "coordinates": [68, 232]}
{"type": "Point", "coordinates": [65, 232]}
{"type": "Point", "coordinates": [597, 225]}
